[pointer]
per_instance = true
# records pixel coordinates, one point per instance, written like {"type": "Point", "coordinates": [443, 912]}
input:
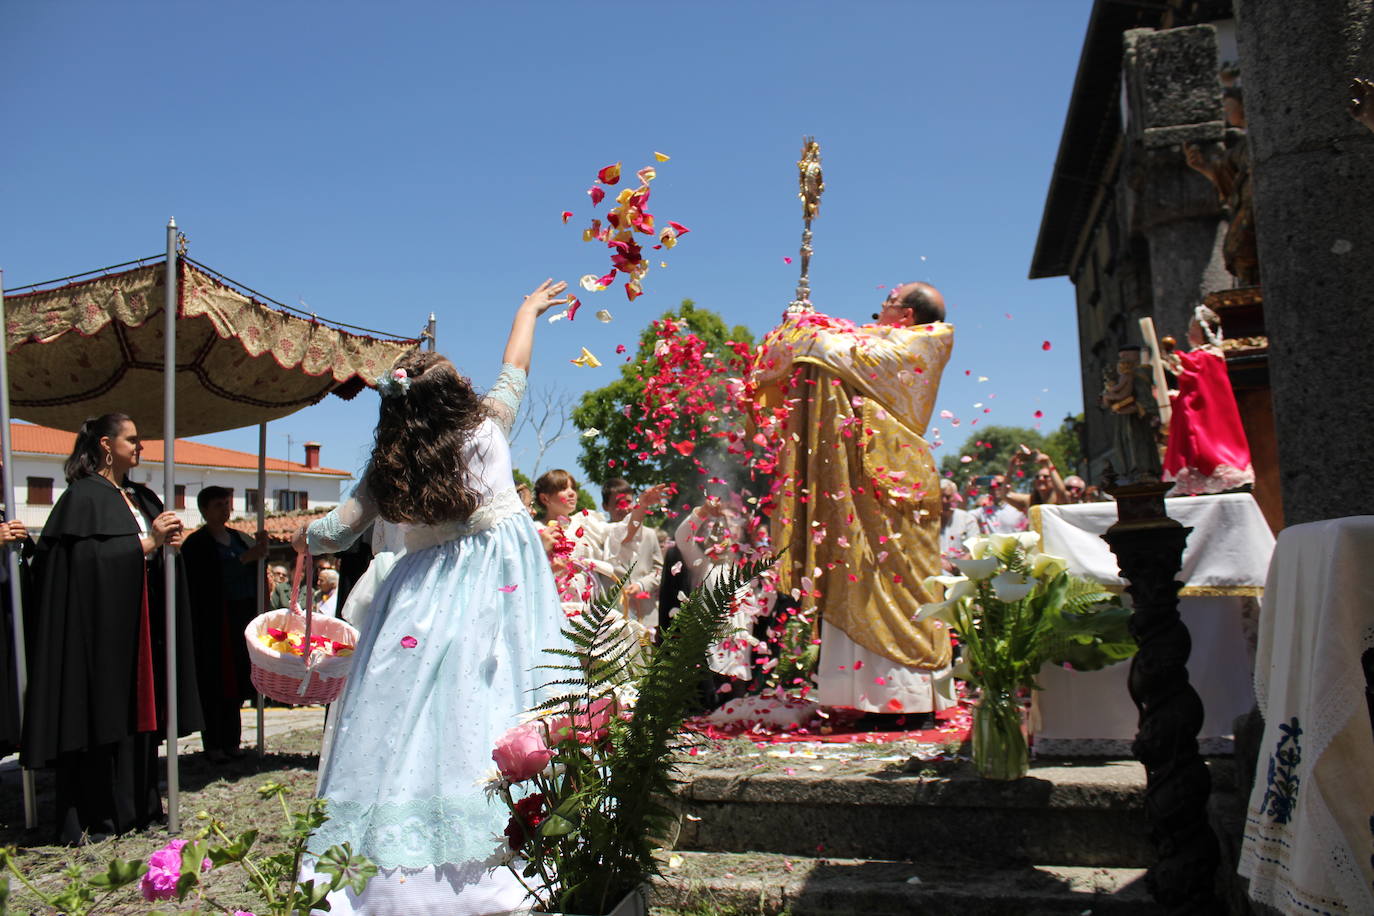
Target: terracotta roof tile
{"type": "Point", "coordinates": [44, 440]}
{"type": "Point", "coordinates": [280, 528]}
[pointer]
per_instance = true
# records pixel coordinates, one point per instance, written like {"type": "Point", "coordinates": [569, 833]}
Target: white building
{"type": "Point", "coordinates": [40, 451]}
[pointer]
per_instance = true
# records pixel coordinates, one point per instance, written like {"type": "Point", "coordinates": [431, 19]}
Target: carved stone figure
{"type": "Point", "coordinates": [1230, 174]}
{"type": "Point", "coordinates": [1135, 419]}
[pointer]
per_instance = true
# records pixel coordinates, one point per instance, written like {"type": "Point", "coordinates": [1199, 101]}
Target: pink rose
{"type": "Point", "coordinates": [164, 870]}
{"type": "Point", "coordinates": [589, 725]}
{"type": "Point", "coordinates": [521, 752]}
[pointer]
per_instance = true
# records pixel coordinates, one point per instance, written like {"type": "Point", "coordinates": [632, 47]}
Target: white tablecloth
{"type": "Point", "coordinates": [1309, 832]}
{"type": "Point", "coordinates": [1224, 563]}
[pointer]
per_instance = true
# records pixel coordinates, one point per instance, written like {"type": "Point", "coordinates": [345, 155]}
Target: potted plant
{"type": "Point", "coordinates": [588, 781]}
{"type": "Point", "coordinates": [1016, 609]}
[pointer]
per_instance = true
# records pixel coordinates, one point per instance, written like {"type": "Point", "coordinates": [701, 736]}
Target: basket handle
{"type": "Point", "coordinates": [305, 565]}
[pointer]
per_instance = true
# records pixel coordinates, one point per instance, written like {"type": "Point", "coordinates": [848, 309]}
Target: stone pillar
{"type": "Point", "coordinates": [1313, 171]}
{"type": "Point", "coordinates": [1173, 98]}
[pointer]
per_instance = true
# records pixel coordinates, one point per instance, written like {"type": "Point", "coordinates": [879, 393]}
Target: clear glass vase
{"type": "Point", "coordinates": [1000, 750]}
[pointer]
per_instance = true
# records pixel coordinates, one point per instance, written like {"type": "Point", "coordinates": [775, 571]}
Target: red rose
{"type": "Point", "coordinates": [525, 819]}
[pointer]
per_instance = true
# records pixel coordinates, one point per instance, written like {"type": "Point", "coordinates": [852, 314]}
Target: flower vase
{"type": "Point", "coordinates": [1000, 749]}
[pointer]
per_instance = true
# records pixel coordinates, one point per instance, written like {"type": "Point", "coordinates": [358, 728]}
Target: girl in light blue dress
{"type": "Point", "coordinates": [458, 620]}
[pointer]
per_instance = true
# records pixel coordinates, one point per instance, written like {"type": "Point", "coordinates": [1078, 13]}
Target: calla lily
{"type": "Point", "coordinates": [1000, 544]}
{"type": "Point", "coordinates": [955, 587]}
{"type": "Point", "coordinates": [976, 547]}
{"type": "Point", "coordinates": [1047, 566]}
{"type": "Point", "coordinates": [961, 670]}
{"type": "Point", "coordinates": [1010, 587]}
{"type": "Point", "coordinates": [1029, 540]}
{"type": "Point", "coordinates": [978, 569]}
{"type": "Point", "coordinates": [937, 610]}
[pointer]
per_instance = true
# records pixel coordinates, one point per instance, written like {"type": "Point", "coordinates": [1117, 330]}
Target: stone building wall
{"type": "Point", "coordinates": [1152, 246]}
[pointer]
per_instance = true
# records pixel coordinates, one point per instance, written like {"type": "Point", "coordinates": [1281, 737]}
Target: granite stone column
{"type": "Point", "coordinates": [1313, 169]}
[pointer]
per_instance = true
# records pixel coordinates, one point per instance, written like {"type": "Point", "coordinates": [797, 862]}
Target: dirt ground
{"type": "Point", "coordinates": [229, 790]}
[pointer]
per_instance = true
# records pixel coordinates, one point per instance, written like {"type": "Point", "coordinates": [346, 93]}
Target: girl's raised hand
{"type": "Point", "coordinates": [546, 296]}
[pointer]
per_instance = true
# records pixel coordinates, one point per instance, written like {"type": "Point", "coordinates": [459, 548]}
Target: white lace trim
{"type": "Point", "coordinates": [1191, 482]}
{"type": "Point", "coordinates": [488, 515]}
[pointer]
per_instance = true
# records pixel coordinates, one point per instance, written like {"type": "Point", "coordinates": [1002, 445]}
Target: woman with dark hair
{"type": "Point", "coordinates": [97, 693]}
{"type": "Point", "coordinates": [573, 541]}
{"type": "Point", "coordinates": [456, 623]}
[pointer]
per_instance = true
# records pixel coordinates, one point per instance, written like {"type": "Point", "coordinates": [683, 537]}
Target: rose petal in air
{"type": "Point", "coordinates": [609, 175]}
{"type": "Point", "coordinates": [661, 157]}
{"type": "Point", "coordinates": [596, 194]}
{"type": "Point", "coordinates": [567, 215]}
{"type": "Point", "coordinates": [603, 316]}
{"type": "Point", "coordinates": [1045, 345]}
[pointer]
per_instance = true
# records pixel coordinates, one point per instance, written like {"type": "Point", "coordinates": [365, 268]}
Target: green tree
{"type": "Point", "coordinates": [991, 448]}
{"type": "Point", "coordinates": [667, 418]}
{"type": "Point", "coordinates": [1065, 447]}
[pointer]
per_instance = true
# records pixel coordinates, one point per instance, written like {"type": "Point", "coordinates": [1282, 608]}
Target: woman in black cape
{"type": "Point", "coordinates": [96, 703]}
{"type": "Point", "coordinates": [13, 536]}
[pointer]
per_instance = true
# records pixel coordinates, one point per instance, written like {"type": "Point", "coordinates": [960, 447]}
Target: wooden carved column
{"type": "Point", "coordinates": [1149, 549]}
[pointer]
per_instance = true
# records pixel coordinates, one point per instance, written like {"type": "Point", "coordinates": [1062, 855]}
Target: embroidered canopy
{"type": "Point", "coordinates": [96, 345]}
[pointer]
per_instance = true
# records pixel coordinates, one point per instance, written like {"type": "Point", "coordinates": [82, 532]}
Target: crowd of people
{"type": "Point", "coordinates": [471, 579]}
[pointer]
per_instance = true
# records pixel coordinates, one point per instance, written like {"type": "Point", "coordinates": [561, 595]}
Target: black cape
{"type": "Point", "coordinates": [9, 690]}
{"type": "Point", "coordinates": [223, 671]}
{"type": "Point", "coordinates": [83, 645]}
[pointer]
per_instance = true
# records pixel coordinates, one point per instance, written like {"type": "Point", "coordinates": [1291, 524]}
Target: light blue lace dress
{"type": "Point", "coordinates": [416, 724]}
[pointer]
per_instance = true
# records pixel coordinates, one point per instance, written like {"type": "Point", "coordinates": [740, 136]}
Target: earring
{"type": "Point", "coordinates": [109, 459]}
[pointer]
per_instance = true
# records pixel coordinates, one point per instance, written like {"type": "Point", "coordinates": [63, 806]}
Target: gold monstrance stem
{"type": "Point", "coordinates": [811, 184]}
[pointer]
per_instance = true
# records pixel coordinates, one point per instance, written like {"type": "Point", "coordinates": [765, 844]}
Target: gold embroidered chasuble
{"type": "Point", "coordinates": [858, 500]}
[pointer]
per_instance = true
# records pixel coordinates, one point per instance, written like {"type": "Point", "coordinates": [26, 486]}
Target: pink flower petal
{"type": "Point", "coordinates": [508, 588]}
{"type": "Point", "coordinates": [409, 642]}
{"type": "Point", "coordinates": [1045, 345]}
{"type": "Point", "coordinates": [597, 195]}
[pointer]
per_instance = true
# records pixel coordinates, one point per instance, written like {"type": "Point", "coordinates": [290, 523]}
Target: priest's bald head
{"type": "Point", "coordinates": [912, 304]}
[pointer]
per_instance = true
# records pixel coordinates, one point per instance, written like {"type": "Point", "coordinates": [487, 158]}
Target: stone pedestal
{"type": "Point", "coordinates": [1313, 170]}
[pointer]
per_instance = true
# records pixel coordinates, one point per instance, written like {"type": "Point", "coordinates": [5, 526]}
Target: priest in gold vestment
{"type": "Point", "coordinates": [857, 495]}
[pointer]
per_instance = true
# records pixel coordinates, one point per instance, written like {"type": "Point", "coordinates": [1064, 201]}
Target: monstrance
{"type": "Point", "coordinates": [810, 185]}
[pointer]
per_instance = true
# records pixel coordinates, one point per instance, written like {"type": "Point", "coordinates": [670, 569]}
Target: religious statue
{"type": "Point", "coordinates": [1229, 172]}
{"type": "Point", "coordinates": [1130, 397]}
{"type": "Point", "coordinates": [1208, 451]}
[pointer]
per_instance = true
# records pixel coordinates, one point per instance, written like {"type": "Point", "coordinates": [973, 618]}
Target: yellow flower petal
{"type": "Point", "coordinates": [586, 360]}
{"type": "Point", "coordinates": [662, 157]}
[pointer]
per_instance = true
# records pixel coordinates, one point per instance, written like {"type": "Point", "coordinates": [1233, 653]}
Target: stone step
{"type": "Point", "coordinates": [756, 883]}
{"type": "Point", "coordinates": [1064, 813]}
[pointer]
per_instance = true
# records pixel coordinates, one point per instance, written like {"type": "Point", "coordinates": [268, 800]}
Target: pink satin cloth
{"type": "Point", "coordinates": [1208, 451]}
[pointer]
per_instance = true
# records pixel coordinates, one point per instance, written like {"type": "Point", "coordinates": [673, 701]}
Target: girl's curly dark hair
{"type": "Point", "coordinates": [418, 472]}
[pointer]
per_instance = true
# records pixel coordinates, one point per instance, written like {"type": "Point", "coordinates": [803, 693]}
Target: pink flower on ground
{"type": "Point", "coordinates": [164, 870]}
{"type": "Point", "coordinates": [521, 752]}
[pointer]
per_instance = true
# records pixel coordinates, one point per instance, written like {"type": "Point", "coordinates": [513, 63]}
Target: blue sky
{"type": "Point", "coordinates": [382, 161]}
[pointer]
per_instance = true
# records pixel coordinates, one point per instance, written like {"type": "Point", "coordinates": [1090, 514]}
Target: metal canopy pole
{"type": "Point", "coordinates": [21, 667]}
{"type": "Point", "coordinates": [169, 568]}
{"type": "Point", "coordinates": [262, 561]}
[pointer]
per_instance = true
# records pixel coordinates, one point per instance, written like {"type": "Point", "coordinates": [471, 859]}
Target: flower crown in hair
{"type": "Point", "coordinates": [395, 385]}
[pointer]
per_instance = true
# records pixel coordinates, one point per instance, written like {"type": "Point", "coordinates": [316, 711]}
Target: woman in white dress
{"type": "Point", "coordinates": [457, 623]}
